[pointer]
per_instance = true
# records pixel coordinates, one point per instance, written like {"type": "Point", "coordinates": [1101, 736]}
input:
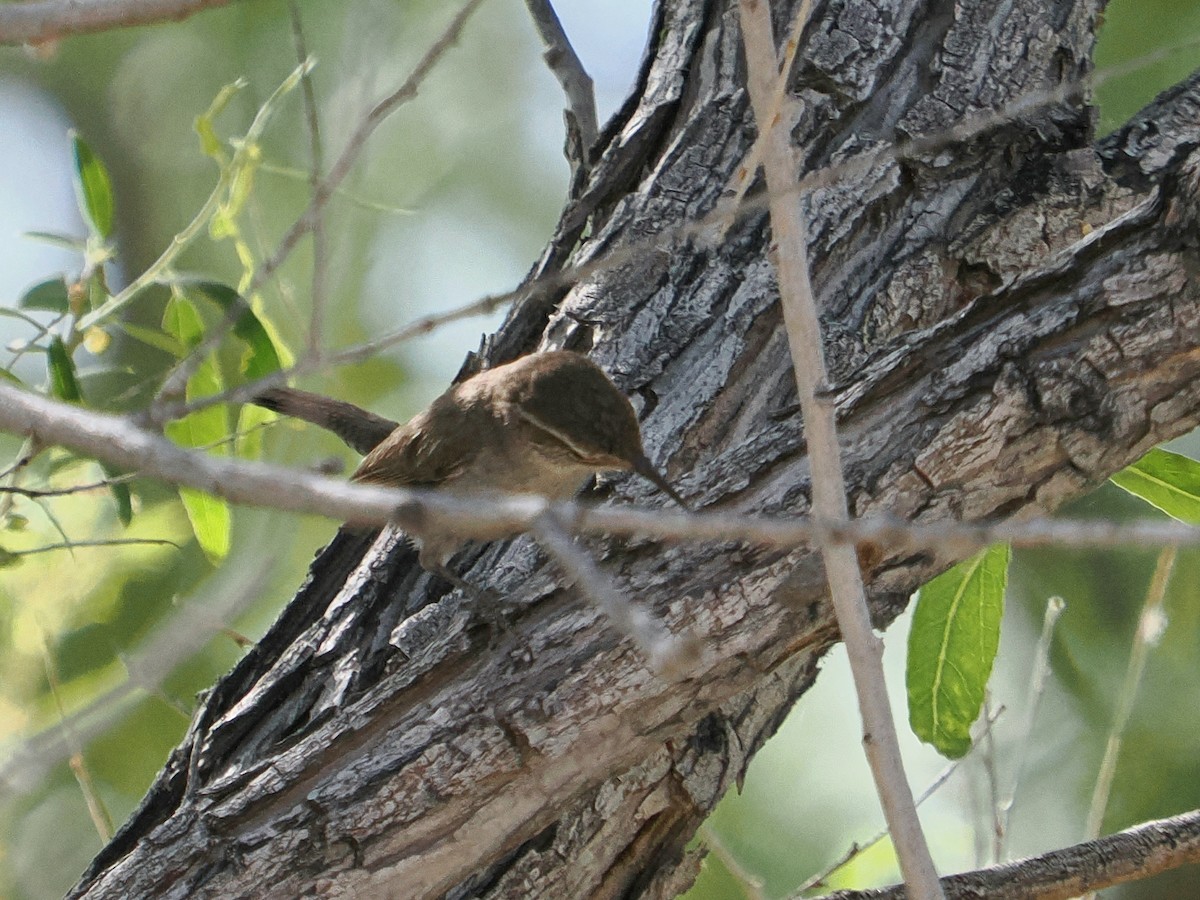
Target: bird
{"type": "Point", "coordinates": [542, 424]}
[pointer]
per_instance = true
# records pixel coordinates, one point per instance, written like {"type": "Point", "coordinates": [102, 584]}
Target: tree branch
{"type": "Point", "coordinates": [47, 20]}
{"type": "Point", "coordinates": [562, 60]}
{"type": "Point", "coordinates": [863, 648]}
{"type": "Point", "coordinates": [1136, 853]}
{"type": "Point", "coordinates": [988, 364]}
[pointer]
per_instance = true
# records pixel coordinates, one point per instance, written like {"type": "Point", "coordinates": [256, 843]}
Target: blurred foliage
{"type": "Point", "coordinates": [198, 129]}
{"type": "Point", "coordinates": [459, 183]}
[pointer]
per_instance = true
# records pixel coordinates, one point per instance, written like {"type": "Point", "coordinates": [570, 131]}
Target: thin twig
{"type": "Point", "coordinates": [354, 146]}
{"type": "Point", "coordinates": [39, 493]}
{"type": "Point", "coordinates": [934, 786]}
{"type": "Point", "coordinates": [1149, 631]}
{"type": "Point", "coordinates": [751, 884]}
{"type": "Point", "coordinates": [704, 228]}
{"type": "Point", "coordinates": [669, 656]}
{"type": "Point", "coordinates": [317, 162]}
{"type": "Point", "coordinates": [164, 407]}
{"type": "Point", "coordinates": [101, 819]}
{"type": "Point", "coordinates": [863, 647]}
{"type": "Point", "coordinates": [564, 63]}
{"type": "Point", "coordinates": [47, 20]}
{"type": "Point", "coordinates": [121, 443]}
{"type": "Point", "coordinates": [74, 545]}
{"type": "Point", "coordinates": [349, 197]}
{"type": "Point", "coordinates": [988, 758]}
{"type": "Point", "coordinates": [1037, 687]}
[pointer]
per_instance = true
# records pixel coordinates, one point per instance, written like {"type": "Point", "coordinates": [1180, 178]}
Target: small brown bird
{"type": "Point", "coordinates": [542, 424]}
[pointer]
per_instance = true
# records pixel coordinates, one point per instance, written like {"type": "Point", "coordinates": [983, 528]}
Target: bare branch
{"type": "Point", "coordinates": [1149, 631]}
{"type": "Point", "coordinates": [863, 647]}
{"type": "Point", "coordinates": [1037, 687]}
{"type": "Point", "coordinates": [669, 656]}
{"type": "Point", "coordinates": [39, 493]}
{"type": "Point", "coordinates": [118, 441]}
{"type": "Point", "coordinates": [75, 545]}
{"type": "Point", "coordinates": [48, 20]}
{"type": "Point", "coordinates": [856, 849]}
{"type": "Point", "coordinates": [1130, 855]}
{"type": "Point", "coordinates": [349, 156]}
{"type": "Point", "coordinates": [317, 163]}
{"type": "Point", "coordinates": [562, 60]}
{"type": "Point", "coordinates": [173, 385]}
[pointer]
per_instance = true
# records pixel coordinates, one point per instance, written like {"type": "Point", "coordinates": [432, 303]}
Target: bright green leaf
{"type": "Point", "coordinates": [98, 293]}
{"type": "Point", "coordinates": [50, 295]}
{"type": "Point", "coordinates": [951, 647]}
{"type": "Point", "coordinates": [250, 432]}
{"type": "Point", "coordinates": [209, 516]}
{"type": "Point", "coordinates": [181, 320]}
{"type": "Point", "coordinates": [121, 494]}
{"type": "Point", "coordinates": [152, 337]}
{"type": "Point", "coordinates": [93, 187]}
{"type": "Point", "coordinates": [63, 383]}
{"type": "Point", "coordinates": [1165, 480]}
{"type": "Point", "coordinates": [211, 522]}
{"type": "Point", "coordinates": [261, 357]}
{"type": "Point", "coordinates": [243, 180]}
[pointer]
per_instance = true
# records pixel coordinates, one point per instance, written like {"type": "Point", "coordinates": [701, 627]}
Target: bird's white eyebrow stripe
{"type": "Point", "coordinates": [553, 432]}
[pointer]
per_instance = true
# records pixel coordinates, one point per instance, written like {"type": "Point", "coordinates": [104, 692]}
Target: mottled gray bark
{"type": "Point", "coordinates": [1010, 319]}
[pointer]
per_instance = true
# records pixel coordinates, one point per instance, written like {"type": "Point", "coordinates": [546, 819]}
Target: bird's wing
{"type": "Point", "coordinates": [413, 456]}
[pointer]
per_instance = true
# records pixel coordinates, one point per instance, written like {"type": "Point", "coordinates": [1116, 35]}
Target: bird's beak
{"type": "Point", "coordinates": [646, 469]}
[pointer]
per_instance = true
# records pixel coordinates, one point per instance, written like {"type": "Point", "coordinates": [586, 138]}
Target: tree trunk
{"type": "Point", "coordinates": [1009, 318]}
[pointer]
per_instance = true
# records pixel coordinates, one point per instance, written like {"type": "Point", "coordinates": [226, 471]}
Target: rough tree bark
{"type": "Point", "coordinates": [1010, 319]}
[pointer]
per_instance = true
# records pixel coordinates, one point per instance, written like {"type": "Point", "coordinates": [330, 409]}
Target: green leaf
{"type": "Point", "coordinates": [261, 356]}
{"type": "Point", "coordinates": [51, 295]}
{"type": "Point", "coordinates": [211, 522]}
{"type": "Point", "coordinates": [250, 432]}
{"type": "Point", "coordinates": [181, 320]}
{"type": "Point", "coordinates": [98, 293]}
{"type": "Point", "coordinates": [63, 383]}
{"type": "Point", "coordinates": [93, 187]}
{"type": "Point", "coordinates": [66, 241]}
{"type": "Point", "coordinates": [152, 337]}
{"type": "Point", "coordinates": [121, 494]}
{"type": "Point", "coordinates": [1167, 481]}
{"type": "Point", "coordinates": [951, 648]}
{"type": "Point", "coordinates": [209, 516]}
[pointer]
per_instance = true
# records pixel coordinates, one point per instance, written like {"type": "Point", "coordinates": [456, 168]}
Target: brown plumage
{"type": "Point", "coordinates": [540, 425]}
